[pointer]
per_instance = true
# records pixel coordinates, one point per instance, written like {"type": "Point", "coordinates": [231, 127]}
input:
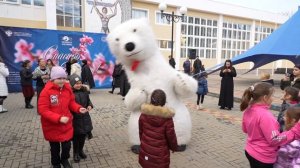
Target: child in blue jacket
{"type": "Point", "coordinates": [202, 89]}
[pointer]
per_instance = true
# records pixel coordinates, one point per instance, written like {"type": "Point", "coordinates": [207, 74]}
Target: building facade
{"type": "Point", "coordinates": [217, 31]}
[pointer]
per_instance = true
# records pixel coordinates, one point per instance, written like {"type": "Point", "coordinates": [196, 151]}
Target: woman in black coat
{"type": "Point", "coordinates": [86, 75]}
{"type": "Point", "coordinates": [82, 123]}
{"type": "Point", "coordinates": [116, 77]}
{"type": "Point", "coordinates": [226, 93]}
{"type": "Point", "coordinates": [26, 83]}
{"type": "Point", "coordinates": [124, 84]}
{"type": "Point", "coordinates": [291, 79]}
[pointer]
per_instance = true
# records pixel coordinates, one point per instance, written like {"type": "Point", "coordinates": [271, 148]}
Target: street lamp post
{"type": "Point", "coordinates": [172, 18]}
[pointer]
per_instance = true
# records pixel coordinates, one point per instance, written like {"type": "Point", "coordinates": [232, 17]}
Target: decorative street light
{"type": "Point", "coordinates": [172, 18]}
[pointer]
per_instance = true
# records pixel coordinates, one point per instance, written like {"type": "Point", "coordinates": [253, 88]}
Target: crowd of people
{"type": "Point", "coordinates": [62, 102]}
{"type": "Point", "coordinates": [64, 105]}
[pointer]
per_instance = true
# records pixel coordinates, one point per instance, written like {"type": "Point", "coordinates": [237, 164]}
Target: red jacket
{"type": "Point", "coordinates": [157, 136]}
{"type": "Point", "coordinates": [55, 102]}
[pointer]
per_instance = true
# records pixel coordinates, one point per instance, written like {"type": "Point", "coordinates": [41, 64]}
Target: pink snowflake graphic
{"type": "Point", "coordinates": [101, 69]}
{"type": "Point", "coordinates": [82, 49]}
{"type": "Point", "coordinates": [23, 51]}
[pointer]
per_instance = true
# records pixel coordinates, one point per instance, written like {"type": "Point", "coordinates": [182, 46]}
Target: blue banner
{"type": "Point", "coordinates": [20, 44]}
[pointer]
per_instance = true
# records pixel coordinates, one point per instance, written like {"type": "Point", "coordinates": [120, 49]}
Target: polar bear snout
{"type": "Point", "coordinates": [130, 46]}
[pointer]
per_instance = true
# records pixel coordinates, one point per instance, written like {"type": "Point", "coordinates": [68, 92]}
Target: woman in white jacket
{"type": "Point", "coordinates": [3, 86]}
{"type": "Point", "coordinates": [75, 68]}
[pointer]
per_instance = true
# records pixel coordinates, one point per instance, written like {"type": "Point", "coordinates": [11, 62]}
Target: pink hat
{"type": "Point", "coordinates": [57, 72]}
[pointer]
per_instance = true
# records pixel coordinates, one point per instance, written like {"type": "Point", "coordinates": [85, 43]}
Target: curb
{"type": "Point", "coordinates": [238, 100]}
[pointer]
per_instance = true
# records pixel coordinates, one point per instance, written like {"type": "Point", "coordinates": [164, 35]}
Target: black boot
{"type": "Point", "coordinates": [76, 157]}
{"type": "Point", "coordinates": [66, 164]}
{"type": "Point", "coordinates": [81, 145]}
{"type": "Point", "coordinates": [135, 149]}
{"type": "Point", "coordinates": [56, 166]}
{"type": "Point", "coordinates": [181, 148]}
{"type": "Point", "coordinates": [76, 149]}
{"type": "Point", "coordinates": [27, 103]}
{"type": "Point", "coordinates": [89, 135]}
{"type": "Point", "coordinates": [82, 155]}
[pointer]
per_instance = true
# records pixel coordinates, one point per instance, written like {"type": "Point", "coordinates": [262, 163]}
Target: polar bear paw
{"type": "Point", "coordinates": [185, 85]}
{"type": "Point", "coordinates": [135, 98]}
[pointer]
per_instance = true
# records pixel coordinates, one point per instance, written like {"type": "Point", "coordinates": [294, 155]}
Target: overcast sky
{"type": "Point", "coordinates": [277, 6]}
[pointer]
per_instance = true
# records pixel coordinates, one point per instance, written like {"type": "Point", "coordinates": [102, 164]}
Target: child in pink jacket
{"type": "Point", "coordinates": [261, 127]}
{"type": "Point", "coordinates": [289, 154]}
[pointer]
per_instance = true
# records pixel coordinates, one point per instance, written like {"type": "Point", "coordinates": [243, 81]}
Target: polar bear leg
{"type": "Point", "coordinates": [183, 125]}
{"type": "Point", "coordinates": [133, 128]}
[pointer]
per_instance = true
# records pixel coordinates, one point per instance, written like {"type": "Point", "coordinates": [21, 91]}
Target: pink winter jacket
{"type": "Point", "coordinates": [263, 136]}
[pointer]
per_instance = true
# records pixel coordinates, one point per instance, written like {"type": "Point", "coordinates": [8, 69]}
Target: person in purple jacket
{"type": "Point", "coordinates": [289, 154]}
{"type": "Point", "coordinates": [261, 127]}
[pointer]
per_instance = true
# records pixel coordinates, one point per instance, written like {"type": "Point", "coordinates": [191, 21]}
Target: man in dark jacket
{"type": "Point", "coordinates": [87, 75]}
{"type": "Point", "coordinates": [197, 66]}
{"type": "Point", "coordinates": [187, 66]}
{"type": "Point", "coordinates": [172, 61]}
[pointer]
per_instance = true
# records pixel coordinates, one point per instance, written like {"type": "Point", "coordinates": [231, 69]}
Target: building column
{"type": "Point", "coordinates": [219, 39]}
{"type": "Point", "coordinates": [50, 7]}
{"type": "Point", "coordinates": [252, 39]}
{"type": "Point", "coordinates": [177, 41]}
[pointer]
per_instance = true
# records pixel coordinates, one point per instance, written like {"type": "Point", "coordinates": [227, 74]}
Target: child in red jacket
{"type": "Point", "coordinates": [54, 105]}
{"type": "Point", "coordinates": [157, 134]}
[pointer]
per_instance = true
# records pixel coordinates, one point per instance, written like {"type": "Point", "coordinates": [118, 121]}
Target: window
{"type": "Point", "coordinates": [38, 2]}
{"type": "Point", "coordinates": [26, 2]}
{"type": "Point", "coordinates": [164, 44]}
{"type": "Point", "coordinates": [236, 40]}
{"type": "Point", "coordinates": [139, 13]}
{"type": "Point", "coordinates": [183, 52]}
{"type": "Point", "coordinates": [191, 20]}
{"type": "Point", "coordinates": [10, 1]}
{"type": "Point", "coordinates": [197, 30]}
{"type": "Point", "coordinates": [33, 2]}
{"type": "Point", "coordinates": [190, 30]}
{"type": "Point", "coordinates": [197, 44]}
{"type": "Point", "coordinates": [199, 34]}
{"type": "Point", "coordinates": [190, 41]}
{"type": "Point", "coordinates": [160, 20]}
{"type": "Point", "coordinates": [183, 29]}
{"type": "Point", "coordinates": [68, 12]}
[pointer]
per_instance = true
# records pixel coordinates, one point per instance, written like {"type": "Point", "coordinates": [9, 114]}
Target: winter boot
{"type": "Point", "coordinates": [76, 157]}
{"type": "Point", "coordinates": [66, 164]}
{"type": "Point", "coordinates": [2, 109]}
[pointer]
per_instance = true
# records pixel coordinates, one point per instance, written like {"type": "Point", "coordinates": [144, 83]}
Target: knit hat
{"type": "Point", "coordinates": [74, 79]}
{"type": "Point", "coordinates": [57, 72]}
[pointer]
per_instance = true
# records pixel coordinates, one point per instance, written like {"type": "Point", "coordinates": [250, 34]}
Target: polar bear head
{"type": "Point", "coordinates": [132, 40]}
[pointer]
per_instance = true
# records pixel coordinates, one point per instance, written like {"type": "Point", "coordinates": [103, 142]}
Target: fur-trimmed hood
{"type": "Point", "coordinates": [158, 111]}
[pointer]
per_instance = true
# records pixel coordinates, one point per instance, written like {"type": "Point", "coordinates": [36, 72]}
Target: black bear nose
{"type": "Point", "coordinates": [129, 46]}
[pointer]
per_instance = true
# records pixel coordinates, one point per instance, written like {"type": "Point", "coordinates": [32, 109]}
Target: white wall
{"type": "Point", "coordinates": [23, 12]}
{"type": "Point", "coordinates": [225, 9]}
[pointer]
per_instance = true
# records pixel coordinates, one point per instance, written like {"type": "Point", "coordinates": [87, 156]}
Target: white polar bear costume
{"type": "Point", "coordinates": [134, 45]}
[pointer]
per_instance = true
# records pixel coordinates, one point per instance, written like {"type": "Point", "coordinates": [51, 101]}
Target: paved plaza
{"type": "Point", "coordinates": [217, 138]}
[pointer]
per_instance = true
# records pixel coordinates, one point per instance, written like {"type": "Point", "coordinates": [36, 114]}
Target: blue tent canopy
{"type": "Point", "coordinates": [283, 43]}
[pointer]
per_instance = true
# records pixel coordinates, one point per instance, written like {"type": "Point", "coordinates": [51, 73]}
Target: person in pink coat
{"type": "Point", "coordinates": [261, 127]}
{"type": "Point", "coordinates": [54, 105]}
